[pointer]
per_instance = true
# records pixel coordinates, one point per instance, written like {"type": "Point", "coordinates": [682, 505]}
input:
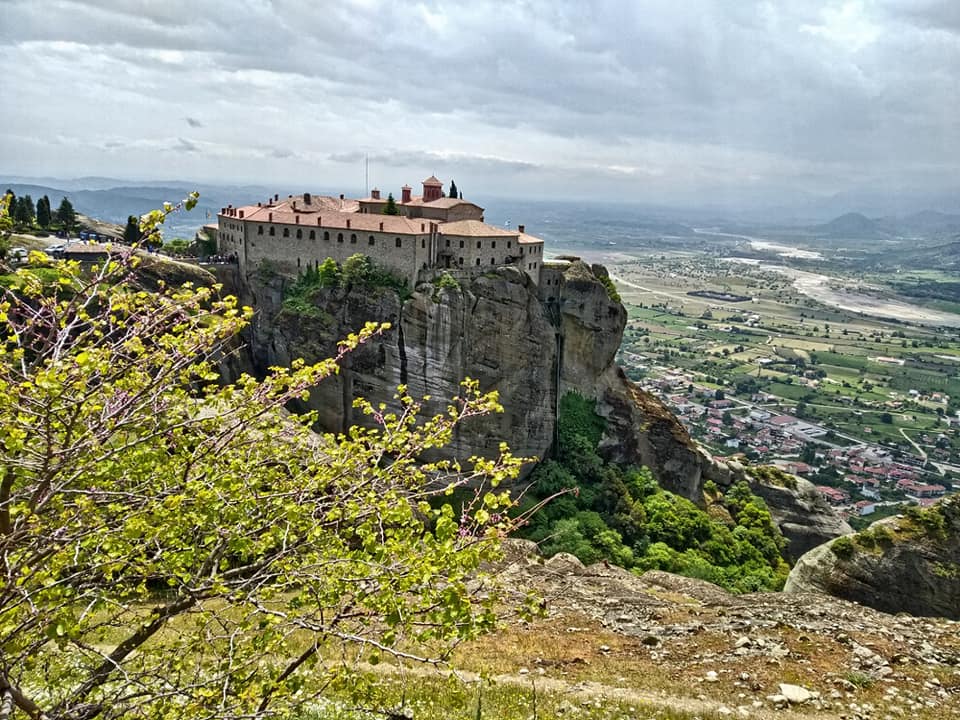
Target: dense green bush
{"type": "Point", "coordinates": [611, 288]}
{"type": "Point", "coordinates": [621, 515]}
{"type": "Point", "coordinates": [358, 271]}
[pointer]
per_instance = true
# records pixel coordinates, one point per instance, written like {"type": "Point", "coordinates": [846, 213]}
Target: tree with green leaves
{"type": "Point", "coordinates": [44, 215]}
{"type": "Point", "coordinates": [66, 215]}
{"type": "Point", "coordinates": [453, 190]}
{"type": "Point", "coordinates": [391, 207]}
{"type": "Point", "coordinates": [131, 233]}
{"type": "Point", "coordinates": [328, 273]}
{"type": "Point", "coordinates": [175, 547]}
{"type": "Point", "coordinates": [356, 269]}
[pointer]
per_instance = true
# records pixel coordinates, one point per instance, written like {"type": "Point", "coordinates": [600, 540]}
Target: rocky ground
{"type": "Point", "coordinates": [682, 643]}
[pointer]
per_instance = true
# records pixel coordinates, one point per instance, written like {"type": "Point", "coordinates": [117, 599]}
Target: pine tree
{"type": "Point", "coordinates": [391, 206]}
{"type": "Point", "coordinates": [131, 233]}
{"type": "Point", "coordinates": [453, 190]}
{"type": "Point", "coordinates": [43, 212]}
{"type": "Point", "coordinates": [66, 215]}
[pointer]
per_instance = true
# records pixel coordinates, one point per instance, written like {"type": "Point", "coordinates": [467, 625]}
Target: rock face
{"type": "Point", "coordinates": [905, 564]}
{"type": "Point", "coordinates": [530, 345]}
{"type": "Point", "coordinates": [804, 516]}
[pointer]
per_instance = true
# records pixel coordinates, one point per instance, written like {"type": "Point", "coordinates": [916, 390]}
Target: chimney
{"type": "Point", "coordinates": [348, 224]}
{"type": "Point", "coordinates": [319, 218]}
{"type": "Point", "coordinates": [259, 204]}
{"type": "Point", "coordinates": [381, 226]}
{"type": "Point", "coordinates": [223, 211]}
{"type": "Point", "coordinates": [521, 228]}
{"type": "Point", "coordinates": [375, 194]}
{"type": "Point", "coordinates": [241, 214]}
{"type": "Point", "coordinates": [405, 193]}
{"type": "Point", "coordinates": [423, 227]}
{"type": "Point", "coordinates": [294, 204]}
{"type": "Point", "coordinates": [296, 219]}
{"type": "Point", "coordinates": [307, 199]}
{"type": "Point", "coordinates": [276, 197]}
{"type": "Point", "coordinates": [269, 217]}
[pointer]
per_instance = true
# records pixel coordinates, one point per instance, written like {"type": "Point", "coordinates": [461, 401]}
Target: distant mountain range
{"type": "Point", "coordinates": [112, 200]}
{"type": "Point", "coordinates": [926, 224]}
{"type": "Point", "coordinates": [115, 203]}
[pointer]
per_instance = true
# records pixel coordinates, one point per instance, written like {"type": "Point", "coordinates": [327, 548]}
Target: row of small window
{"type": "Point", "coordinates": [326, 236]}
{"type": "Point", "coordinates": [493, 244]}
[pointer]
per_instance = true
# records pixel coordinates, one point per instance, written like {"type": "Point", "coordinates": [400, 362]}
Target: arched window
{"type": "Point", "coordinates": [399, 243]}
{"type": "Point", "coordinates": [339, 237]}
{"type": "Point", "coordinates": [286, 232]}
{"type": "Point", "coordinates": [461, 261]}
{"type": "Point", "coordinates": [493, 261]}
{"type": "Point", "coordinates": [479, 244]}
{"type": "Point", "coordinates": [423, 242]}
{"type": "Point", "coordinates": [493, 244]}
{"type": "Point", "coordinates": [353, 238]}
{"type": "Point", "coordinates": [273, 231]}
{"type": "Point", "coordinates": [448, 242]}
{"type": "Point", "coordinates": [461, 244]}
{"type": "Point", "coordinates": [326, 235]}
{"type": "Point", "coordinates": [509, 244]}
{"type": "Point", "coordinates": [298, 262]}
{"type": "Point", "coordinates": [299, 234]}
{"type": "Point", "coordinates": [313, 234]}
{"type": "Point", "coordinates": [478, 261]}
{"type": "Point", "coordinates": [259, 229]}
{"type": "Point", "coordinates": [371, 241]}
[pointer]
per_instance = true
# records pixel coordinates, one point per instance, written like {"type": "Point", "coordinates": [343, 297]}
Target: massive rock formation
{"type": "Point", "coordinates": [530, 344]}
{"type": "Point", "coordinates": [909, 563]}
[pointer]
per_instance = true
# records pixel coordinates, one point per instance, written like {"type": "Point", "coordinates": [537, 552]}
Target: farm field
{"type": "Point", "coordinates": [853, 378]}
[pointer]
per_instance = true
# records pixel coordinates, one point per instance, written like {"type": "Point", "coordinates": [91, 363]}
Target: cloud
{"type": "Point", "coordinates": [660, 99]}
{"type": "Point", "coordinates": [184, 145]}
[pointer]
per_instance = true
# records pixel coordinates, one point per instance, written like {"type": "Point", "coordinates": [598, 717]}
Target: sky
{"type": "Point", "coordinates": [644, 100]}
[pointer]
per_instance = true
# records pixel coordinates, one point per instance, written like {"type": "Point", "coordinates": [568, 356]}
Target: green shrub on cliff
{"type": "Point", "coordinates": [621, 515]}
{"type": "Point", "coordinates": [611, 288]}
{"type": "Point", "coordinates": [357, 271]}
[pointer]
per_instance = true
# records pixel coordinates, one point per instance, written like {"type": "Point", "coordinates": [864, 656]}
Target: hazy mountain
{"type": "Point", "coordinates": [852, 225]}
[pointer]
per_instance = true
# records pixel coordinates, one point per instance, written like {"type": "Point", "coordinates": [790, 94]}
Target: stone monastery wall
{"type": "Point", "coordinates": [298, 233]}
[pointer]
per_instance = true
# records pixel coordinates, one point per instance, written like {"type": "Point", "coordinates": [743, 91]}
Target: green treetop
{"type": "Point", "coordinates": [66, 215]}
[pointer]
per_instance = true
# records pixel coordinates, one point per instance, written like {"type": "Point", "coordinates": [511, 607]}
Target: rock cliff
{"type": "Point", "coordinates": [909, 563]}
{"type": "Point", "coordinates": [530, 344]}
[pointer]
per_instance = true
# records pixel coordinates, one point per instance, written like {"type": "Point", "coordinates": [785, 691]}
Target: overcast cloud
{"type": "Point", "coordinates": [658, 101]}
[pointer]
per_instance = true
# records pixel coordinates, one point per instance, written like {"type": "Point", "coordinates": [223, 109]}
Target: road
{"type": "Point", "coordinates": [917, 447]}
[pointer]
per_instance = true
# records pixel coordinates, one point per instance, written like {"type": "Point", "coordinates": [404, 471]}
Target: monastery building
{"type": "Point", "coordinates": [430, 234]}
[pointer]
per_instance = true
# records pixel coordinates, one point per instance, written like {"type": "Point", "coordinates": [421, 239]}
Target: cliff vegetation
{"type": "Point", "coordinates": [621, 515]}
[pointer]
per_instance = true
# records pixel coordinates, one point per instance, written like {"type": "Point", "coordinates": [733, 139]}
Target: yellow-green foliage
{"type": "Point", "coordinates": [178, 548]}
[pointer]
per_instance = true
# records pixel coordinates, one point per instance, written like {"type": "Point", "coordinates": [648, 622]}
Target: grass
{"type": "Point", "coordinates": [526, 697]}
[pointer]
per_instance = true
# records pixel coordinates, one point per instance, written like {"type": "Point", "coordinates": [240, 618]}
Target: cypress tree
{"type": "Point", "coordinates": [29, 211]}
{"type": "Point", "coordinates": [131, 233]}
{"type": "Point", "coordinates": [21, 215]}
{"type": "Point", "coordinates": [453, 190]}
{"type": "Point", "coordinates": [43, 212]}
